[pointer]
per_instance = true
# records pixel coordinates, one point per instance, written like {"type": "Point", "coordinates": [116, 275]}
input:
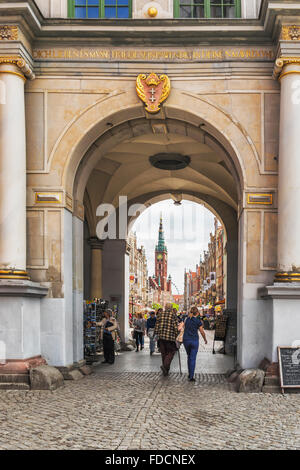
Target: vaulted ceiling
{"type": "Point", "coordinates": [125, 170]}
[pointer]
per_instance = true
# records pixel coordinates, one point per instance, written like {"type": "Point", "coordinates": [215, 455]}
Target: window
{"type": "Point", "coordinates": [100, 8]}
{"type": "Point", "coordinates": [207, 8]}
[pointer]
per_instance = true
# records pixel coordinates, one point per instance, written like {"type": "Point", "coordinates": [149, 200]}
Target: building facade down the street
{"type": "Point", "coordinates": [145, 101]}
{"type": "Point", "coordinates": [138, 277]}
{"type": "Point", "coordinates": [206, 286]}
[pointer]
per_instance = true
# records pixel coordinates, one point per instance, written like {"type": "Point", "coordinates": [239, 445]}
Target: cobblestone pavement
{"type": "Point", "coordinates": [206, 361]}
{"type": "Point", "coordinates": [143, 410]}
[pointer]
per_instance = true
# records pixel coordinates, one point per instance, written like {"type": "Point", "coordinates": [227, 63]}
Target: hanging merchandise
{"type": "Point", "coordinates": [93, 314]}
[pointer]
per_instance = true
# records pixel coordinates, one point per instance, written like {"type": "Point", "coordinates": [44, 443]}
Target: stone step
{"type": "Point", "coordinates": [14, 378]}
{"type": "Point", "coordinates": [271, 389]}
{"type": "Point", "coordinates": [14, 386]}
{"type": "Point", "coordinates": [272, 380]}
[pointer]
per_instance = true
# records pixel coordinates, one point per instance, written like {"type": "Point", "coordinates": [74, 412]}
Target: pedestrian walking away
{"type": "Point", "coordinates": [166, 329]}
{"type": "Point", "coordinates": [192, 326]}
{"type": "Point", "coordinates": [150, 326]}
{"type": "Point", "coordinates": [139, 330]}
{"type": "Point", "coordinates": [108, 334]}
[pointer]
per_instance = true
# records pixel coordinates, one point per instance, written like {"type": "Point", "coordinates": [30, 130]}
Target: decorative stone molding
{"type": "Point", "coordinates": [8, 33]}
{"type": "Point", "coordinates": [260, 199]}
{"type": "Point", "coordinates": [281, 62]}
{"type": "Point", "coordinates": [69, 202]}
{"type": "Point", "coordinates": [48, 198]}
{"type": "Point", "coordinates": [78, 210]}
{"type": "Point", "coordinates": [95, 243]}
{"type": "Point", "coordinates": [290, 33]}
{"type": "Point", "coordinates": [287, 277]}
{"type": "Point", "coordinates": [20, 63]}
{"type": "Point", "coordinates": [13, 274]}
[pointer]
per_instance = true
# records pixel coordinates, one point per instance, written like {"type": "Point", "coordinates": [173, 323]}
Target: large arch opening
{"type": "Point", "coordinates": [119, 164]}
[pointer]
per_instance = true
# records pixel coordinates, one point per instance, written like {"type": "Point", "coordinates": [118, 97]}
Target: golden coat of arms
{"type": "Point", "coordinates": [153, 90]}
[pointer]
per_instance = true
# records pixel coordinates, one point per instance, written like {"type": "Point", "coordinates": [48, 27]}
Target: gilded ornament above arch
{"type": "Point", "coordinates": [8, 33]}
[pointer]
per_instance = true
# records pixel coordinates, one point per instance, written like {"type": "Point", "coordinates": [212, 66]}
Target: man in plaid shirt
{"type": "Point", "coordinates": [166, 329]}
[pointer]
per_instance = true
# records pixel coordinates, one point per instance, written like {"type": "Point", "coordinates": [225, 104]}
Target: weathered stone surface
{"type": "Point", "coordinates": [14, 378]}
{"type": "Point", "coordinates": [233, 377]}
{"type": "Point", "coordinates": [45, 378]}
{"type": "Point", "coordinates": [86, 370]}
{"type": "Point", "coordinates": [271, 384]}
{"type": "Point", "coordinates": [71, 372]}
{"type": "Point", "coordinates": [265, 363]}
{"type": "Point", "coordinates": [251, 381]}
{"type": "Point", "coordinates": [75, 375]}
{"type": "Point", "coordinates": [229, 372]}
{"type": "Point", "coordinates": [14, 386]}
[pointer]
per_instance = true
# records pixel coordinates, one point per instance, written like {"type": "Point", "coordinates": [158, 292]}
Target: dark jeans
{"type": "Point", "coordinates": [168, 350]}
{"type": "Point", "coordinates": [191, 347]}
{"type": "Point", "coordinates": [108, 348]}
{"type": "Point", "coordinates": [138, 336]}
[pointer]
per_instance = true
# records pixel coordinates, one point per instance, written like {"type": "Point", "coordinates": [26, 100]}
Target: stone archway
{"type": "Point", "coordinates": [99, 121]}
{"type": "Point", "coordinates": [117, 118]}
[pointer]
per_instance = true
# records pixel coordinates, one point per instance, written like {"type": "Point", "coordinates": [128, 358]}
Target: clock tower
{"type": "Point", "coordinates": [161, 259]}
{"type": "Point", "coordinates": [160, 284]}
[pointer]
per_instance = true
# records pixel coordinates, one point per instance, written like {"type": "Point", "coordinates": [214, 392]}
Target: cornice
{"type": "Point", "coordinates": [157, 32]}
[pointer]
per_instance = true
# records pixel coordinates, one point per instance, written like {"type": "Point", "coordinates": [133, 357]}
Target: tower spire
{"type": "Point", "coordinates": [161, 246]}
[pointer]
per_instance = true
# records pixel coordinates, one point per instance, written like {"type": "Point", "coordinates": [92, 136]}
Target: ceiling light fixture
{"type": "Point", "coordinates": [170, 161]}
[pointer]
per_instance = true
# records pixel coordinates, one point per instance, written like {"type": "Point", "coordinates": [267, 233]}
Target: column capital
{"type": "Point", "coordinates": [18, 62]}
{"type": "Point", "coordinates": [281, 62]}
{"type": "Point", "coordinates": [95, 243]}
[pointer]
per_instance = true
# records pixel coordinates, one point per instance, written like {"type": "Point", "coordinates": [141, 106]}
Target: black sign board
{"type": "Point", "coordinates": [289, 367]}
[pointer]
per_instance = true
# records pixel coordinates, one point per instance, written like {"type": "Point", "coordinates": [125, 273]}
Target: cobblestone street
{"type": "Point", "coordinates": [143, 410]}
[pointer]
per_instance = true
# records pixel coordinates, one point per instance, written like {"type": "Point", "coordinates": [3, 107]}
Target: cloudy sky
{"type": "Point", "coordinates": [187, 228]}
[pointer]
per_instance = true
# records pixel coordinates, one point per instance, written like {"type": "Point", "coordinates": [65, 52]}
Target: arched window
{"type": "Point", "coordinates": [207, 8]}
{"type": "Point", "coordinates": [99, 9]}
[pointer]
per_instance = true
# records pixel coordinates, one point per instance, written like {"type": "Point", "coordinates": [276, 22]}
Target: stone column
{"type": "Point", "coordinates": [116, 281]}
{"type": "Point", "coordinates": [282, 306]}
{"type": "Point", "coordinates": [20, 337]}
{"type": "Point", "coordinates": [289, 171]}
{"type": "Point", "coordinates": [96, 267]}
{"type": "Point", "coordinates": [12, 169]}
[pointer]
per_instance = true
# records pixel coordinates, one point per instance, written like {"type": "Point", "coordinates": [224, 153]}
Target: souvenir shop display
{"type": "Point", "coordinates": [93, 314]}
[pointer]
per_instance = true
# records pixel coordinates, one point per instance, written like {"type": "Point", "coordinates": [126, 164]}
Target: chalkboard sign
{"type": "Point", "coordinates": [289, 367]}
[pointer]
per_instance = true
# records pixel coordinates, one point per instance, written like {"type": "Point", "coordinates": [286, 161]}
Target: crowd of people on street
{"type": "Point", "coordinates": [166, 329]}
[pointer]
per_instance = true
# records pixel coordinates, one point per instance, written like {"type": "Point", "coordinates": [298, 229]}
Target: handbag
{"type": "Point", "coordinates": [179, 338]}
{"type": "Point", "coordinates": [151, 333]}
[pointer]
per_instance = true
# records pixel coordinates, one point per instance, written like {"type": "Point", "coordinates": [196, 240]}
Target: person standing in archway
{"type": "Point", "coordinates": [109, 326]}
{"type": "Point", "coordinates": [139, 330]}
{"type": "Point", "coordinates": [150, 331]}
{"type": "Point", "coordinates": [192, 326]}
{"type": "Point", "coordinates": [166, 329]}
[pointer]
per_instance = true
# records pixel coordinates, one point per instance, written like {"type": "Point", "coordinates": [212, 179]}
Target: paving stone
{"type": "Point", "coordinates": [113, 409]}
